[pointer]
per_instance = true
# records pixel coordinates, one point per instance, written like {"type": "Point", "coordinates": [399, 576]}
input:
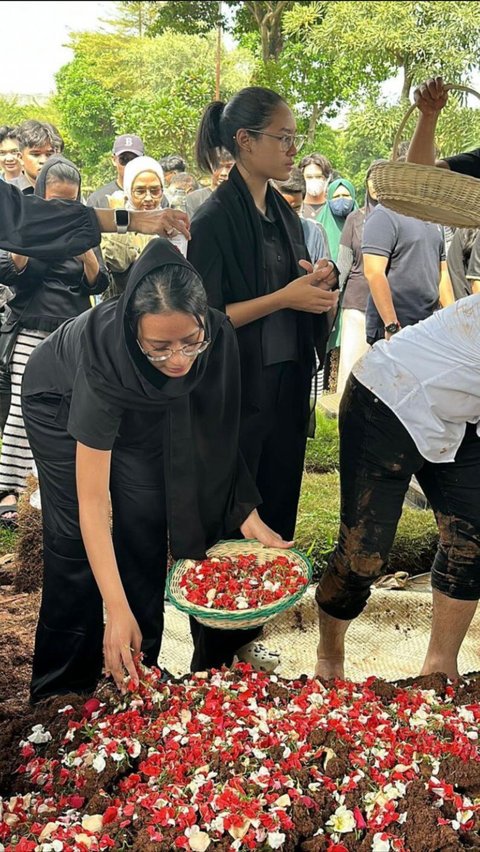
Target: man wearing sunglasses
{"type": "Point", "coordinates": [125, 148]}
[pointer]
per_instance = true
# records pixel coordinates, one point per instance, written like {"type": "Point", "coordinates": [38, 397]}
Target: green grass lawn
{"type": "Point", "coordinates": [8, 540]}
{"type": "Point", "coordinates": [322, 451]}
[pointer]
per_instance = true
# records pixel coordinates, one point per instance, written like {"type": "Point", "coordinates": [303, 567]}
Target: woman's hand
{"type": "Point", "coordinates": [308, 293]}
{"type": "Point", "coordinates": [431, 97]}
{"type": "Point", "coordinates": [327, 275]}
{"type": "Point", "coordinates": [254, 527]}
{"type": "Point", "coordinates": [122, 638]}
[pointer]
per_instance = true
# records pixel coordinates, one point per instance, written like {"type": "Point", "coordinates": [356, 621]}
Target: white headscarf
{"type": "Point", "coordinates": [133, 169]}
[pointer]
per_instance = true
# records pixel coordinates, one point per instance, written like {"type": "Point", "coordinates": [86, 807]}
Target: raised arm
{"type": "Point", "coordinates": [430, 98]}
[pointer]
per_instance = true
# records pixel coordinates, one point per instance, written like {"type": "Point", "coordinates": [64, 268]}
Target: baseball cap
{"type": "Point", "coordinates": [127, 142]}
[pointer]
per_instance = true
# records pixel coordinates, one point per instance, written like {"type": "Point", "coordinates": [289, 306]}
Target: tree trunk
{"type": "Point", "coordinates": [312, 124]}
{"type": "Point", "coordinates": [407, 83]}
{"type": "Point", "coordinates": [269, 25]}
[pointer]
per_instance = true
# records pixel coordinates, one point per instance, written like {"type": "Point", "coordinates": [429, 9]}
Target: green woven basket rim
{"type": "Point", "coordinates": [242, 614]}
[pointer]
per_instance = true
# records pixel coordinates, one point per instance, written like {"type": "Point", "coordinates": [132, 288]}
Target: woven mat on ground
{"type": "Point", "coordinates": [389, 639]}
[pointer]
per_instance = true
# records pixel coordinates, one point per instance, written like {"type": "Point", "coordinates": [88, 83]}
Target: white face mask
{"type": "Point", "coordinates": [316, 186]}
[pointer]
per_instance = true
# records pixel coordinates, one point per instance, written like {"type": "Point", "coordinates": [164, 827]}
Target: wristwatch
{"type": "Point", "coordinates": [392, 327]}
{"type": "Point", "coordinates": [122, 219]}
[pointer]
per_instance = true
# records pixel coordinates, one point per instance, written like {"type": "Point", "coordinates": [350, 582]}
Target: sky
{"type": "Point", "coordinates": [41, 29]}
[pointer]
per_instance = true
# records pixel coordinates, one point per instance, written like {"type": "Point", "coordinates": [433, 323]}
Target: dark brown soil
{"type": "Point", "coordinates": [18, 618]}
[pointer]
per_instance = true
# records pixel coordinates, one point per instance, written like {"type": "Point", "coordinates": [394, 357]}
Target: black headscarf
{"type": "Point", "coordinates": [112, 359]}
{"type": "Point", "coordinates": [41, 182]}
{"type": "Point", "coordinates": [209, 490]}
{"type": "Point", "coordinates": [228, 223]}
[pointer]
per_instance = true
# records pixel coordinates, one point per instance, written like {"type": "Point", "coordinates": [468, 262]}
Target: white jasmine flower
{"type": "Point", "coordinates": [198, 840]}
{"type": "Point", "coordinates": [217, 824]}
{"type": "Point", "coordinates": [342, 820]}
{"type": "Point", "coordinates": [276, 839]}
{"type": "Point", "coordinates": [39, 735]}
{"type": "Point", "coordinates": [379, 845]}
{"type": "Point", "coordinates": [99, 763]}
{"type": "Point", "coordinates": [134, 749]}
{"type": "Point", "coordinates": [464, 816]}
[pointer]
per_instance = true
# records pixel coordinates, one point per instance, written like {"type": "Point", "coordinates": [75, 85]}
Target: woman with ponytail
{"type": "Point", "coordinates": [248, 245]}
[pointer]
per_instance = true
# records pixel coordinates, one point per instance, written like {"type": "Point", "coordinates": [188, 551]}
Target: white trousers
{"type": "Point", "coordinates": [353, 343]}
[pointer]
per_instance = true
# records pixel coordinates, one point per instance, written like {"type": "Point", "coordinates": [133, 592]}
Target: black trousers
{"type": "Point", "coordinates": [377, 460]}
{"type": "Point", "coordinates": [273, 441]}
{"type": "Point", "coordinates": [5, 396]}
{"type": "Point", "coordinates": [69, 637]}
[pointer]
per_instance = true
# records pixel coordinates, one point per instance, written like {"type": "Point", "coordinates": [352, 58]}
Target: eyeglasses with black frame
{"type": "Point", "coordinates": [287, 140]}
{"type": "Point", "coordinates": [190, 350]}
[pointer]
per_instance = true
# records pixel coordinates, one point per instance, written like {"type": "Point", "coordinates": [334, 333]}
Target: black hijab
{"type": "Point", "coordinates": [228, 223]}
{"type": "Point", "coordinates": [209, 490]}
{"type": "Point", "coordinates": [112, 359]}
{"type": "Point", "coordinates": [41, 182]}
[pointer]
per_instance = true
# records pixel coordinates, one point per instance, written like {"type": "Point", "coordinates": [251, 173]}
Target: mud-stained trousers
{"type": "Point", "coordinates": [377, 460]}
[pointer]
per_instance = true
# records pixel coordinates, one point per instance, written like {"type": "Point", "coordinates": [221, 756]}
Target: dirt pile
{"type": "Point", "coordinates": [238, 760]}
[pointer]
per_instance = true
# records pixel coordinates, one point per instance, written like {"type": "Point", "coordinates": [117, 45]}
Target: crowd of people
{"type": "Point", "coordinates": [176, 411]}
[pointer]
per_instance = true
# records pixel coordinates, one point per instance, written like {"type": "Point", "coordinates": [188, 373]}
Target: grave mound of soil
{"type": "Point", "coordinates": [239, 760]}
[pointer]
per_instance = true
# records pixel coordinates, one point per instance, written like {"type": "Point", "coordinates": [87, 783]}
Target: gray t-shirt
{"type": "Point", "coordinates": [414, 250]}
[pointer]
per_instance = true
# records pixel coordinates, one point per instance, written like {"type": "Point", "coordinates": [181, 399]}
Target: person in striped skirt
{"type": "Point", "coordinates": [45, 295]}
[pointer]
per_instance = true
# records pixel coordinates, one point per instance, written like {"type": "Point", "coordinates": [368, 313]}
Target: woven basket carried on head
{"type": "Point", "coordinates": [237, 619]}
{"type": "Point", "coordinates": [427, 192]}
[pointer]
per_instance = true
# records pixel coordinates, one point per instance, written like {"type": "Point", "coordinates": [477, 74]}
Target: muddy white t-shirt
{"type": "Point", "coordinates": [429, 376]}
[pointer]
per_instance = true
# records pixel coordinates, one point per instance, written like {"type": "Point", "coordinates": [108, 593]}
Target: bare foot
{"type": "Point", "coordinates": [447, 667]}
{"type": "Point", "coordinates": [331, 647]}
{"type": "Point", "coordinates": [328, 667]}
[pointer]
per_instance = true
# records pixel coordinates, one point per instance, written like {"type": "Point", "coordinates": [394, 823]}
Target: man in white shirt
{"type": "Point", "coordinates": [411, 406]}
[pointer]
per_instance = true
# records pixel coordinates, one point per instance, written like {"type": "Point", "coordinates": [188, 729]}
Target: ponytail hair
{"type": "Point", "coordinates": [251, 109]}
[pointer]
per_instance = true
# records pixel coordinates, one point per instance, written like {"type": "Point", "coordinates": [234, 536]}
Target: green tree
{"type": "Point", "coordinates": [181, 16]}
{"type": "Point", "coordinates": [339, 53]}
{"type": "Point", "coordinates": [372, 127]}
{"type": "Point", "coordinates": [411, 39]}
{"type": "Point", "coordinates": [264, 19]}
{"type": "Point", "coordinates": [156, 87]}
{"type": "Point", "coordinates": [132, 18]}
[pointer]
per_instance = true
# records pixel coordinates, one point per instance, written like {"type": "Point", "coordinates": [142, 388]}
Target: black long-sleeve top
{"type": "Point", "coordinates": [45, 229]}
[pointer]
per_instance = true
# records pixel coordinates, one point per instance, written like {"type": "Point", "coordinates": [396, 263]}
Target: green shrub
{"type": "Point", "coordinates": [322, 450]}
{"type": "Point", "coordinates": [318, 522]}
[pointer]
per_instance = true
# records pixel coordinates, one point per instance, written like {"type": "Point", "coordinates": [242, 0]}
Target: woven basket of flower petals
{"type": "Point", "coordinates": [427, 192]}
{"type": "Point", "coordinates": [240, 585]}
